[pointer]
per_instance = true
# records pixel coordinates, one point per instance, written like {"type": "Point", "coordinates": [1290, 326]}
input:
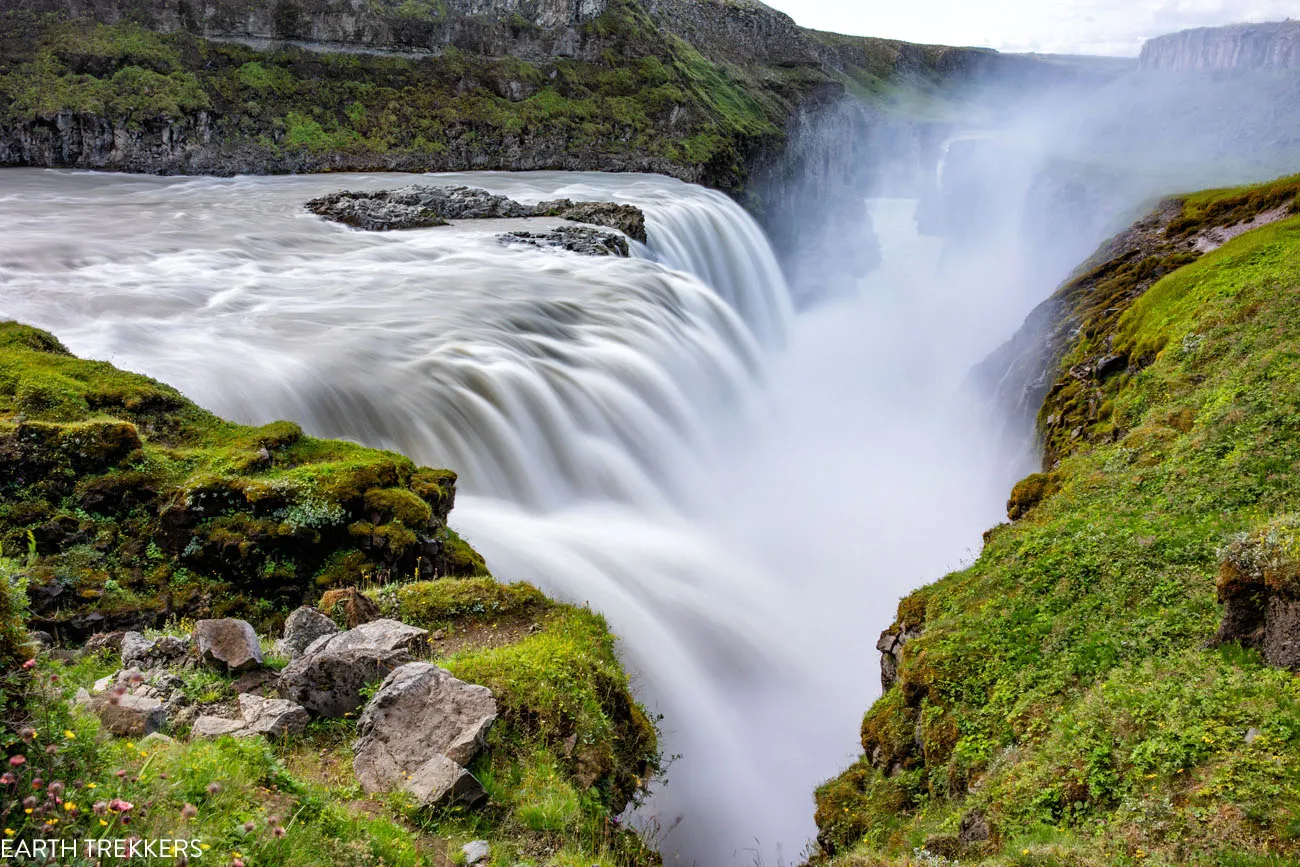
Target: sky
{"type": "Point", "coordinates": [1110, 27]}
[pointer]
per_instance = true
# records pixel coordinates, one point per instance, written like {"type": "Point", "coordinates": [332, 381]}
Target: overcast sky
{"type": "Point", "coordinates": [1115, 27]}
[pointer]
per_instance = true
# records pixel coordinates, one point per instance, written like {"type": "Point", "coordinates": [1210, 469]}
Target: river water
{"type": "Point", "coordinates": [743, 491]}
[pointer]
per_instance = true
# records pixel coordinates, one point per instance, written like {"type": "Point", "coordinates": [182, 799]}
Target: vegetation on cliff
{"type": "Point", "coordinates": [125, 505]}
{"type": "Point", "coordinates": [649, 101]}
{"type": "Point", "coordinates": [1066, 699]}
{"type": "Point", "coordinates": [139, 507]}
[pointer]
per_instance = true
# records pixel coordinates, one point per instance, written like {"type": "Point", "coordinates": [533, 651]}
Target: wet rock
{"type": "Point", "coordinates": [383, 634]}
{"type": "Point", "coordinates": [420, 712]}
{"type": "Point", "coordinates": [575, 239]}
{"type": "Point", "coordinates": [135, 649]}
{"type": "Point", "coordinates": [215, 726]}
{"type": "Point", "coordinates": [476, 851]}
{"type": "Point", "coordinates": [229, 642]}
{"type": "Point", "coordinates": [156, 740]}
{"type": "Point", "coordinates": [302, 628]}
{"type": "Point", "coordinates": [1029, 492]}
{"type": "Point", "coordinates": [329, 683]}
{"type": "Point", "coordinates": [628, 219]}
{"type": "Point", "coordinates": [414, 207]}
{"type": "Point", "coordinates": [420, 206]}
{"type": "Point", "coordinates": [349, 606]}
{"type": "Point", "coordinates": [129, 715]}
{"type": "Point", "coordinates": [44, 639]}
{"type": "Point", "coordinates": [272, 717]}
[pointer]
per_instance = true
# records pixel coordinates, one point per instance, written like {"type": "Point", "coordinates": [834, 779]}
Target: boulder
{"type": "Point", "coordinates": [104, 642]}
{"type": "Point", "coordinates": [272, 717]}
{"type": "Point", "coordinates": [476, 851]}
{"type": "Point", "coordinates": [229, 642]}
{"type": "Point", "coordinates": [974, 829]}
{"type": "Point", "coordinates": [440, 782]}
{"type": "Point", "coordinates": [302, 628]}
{"type": "Point", "coordinates": [420, 719]}
{"type": "Point", "coordinates": [215, 727]}
{"type": "Point", "coordinates": [145, 653]}
{"type": "Point", "coordinates": [330, 683]}
{"type": "Point", "coordinates": [388, 635]}
{"type": "Point", "coordinates": [129, 715]}
{"type": "Point", "coordinates": [349, 606]}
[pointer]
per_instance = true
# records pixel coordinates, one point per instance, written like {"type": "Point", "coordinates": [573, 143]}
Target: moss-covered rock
{"type": "Point", "coordinates": [143, 506]}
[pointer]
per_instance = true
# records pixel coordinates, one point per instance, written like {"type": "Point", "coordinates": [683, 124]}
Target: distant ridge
{"type": "Point", "coordinates": [1274, 45]}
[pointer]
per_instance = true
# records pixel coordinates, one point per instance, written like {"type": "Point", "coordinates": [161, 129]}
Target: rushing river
{"type": "Point", "coordinates": [744, 492]}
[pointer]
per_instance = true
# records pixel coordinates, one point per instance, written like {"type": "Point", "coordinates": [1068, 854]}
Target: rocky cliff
{"type": "Point", "coordinates": [705, 91]}
{"type": "Point", "coordinates": [1117, 665]}
{"type": "Point", "coordinates": [1242, 46]}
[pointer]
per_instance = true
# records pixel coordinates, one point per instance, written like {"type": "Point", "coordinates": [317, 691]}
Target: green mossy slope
{"type": "Point", "coordinates": [134, 506]}
{"type": "Point", "coordinates": [569, 752]}
{"type": "Point", "coordinates": [1062, 689]}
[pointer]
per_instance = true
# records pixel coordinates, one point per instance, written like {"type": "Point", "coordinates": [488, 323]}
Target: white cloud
{"type": "Point", "coordinates": [1063, 26]}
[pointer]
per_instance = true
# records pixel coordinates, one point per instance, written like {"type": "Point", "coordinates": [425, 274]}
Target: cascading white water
{"type": "Point", "coordinates": [616, 437]}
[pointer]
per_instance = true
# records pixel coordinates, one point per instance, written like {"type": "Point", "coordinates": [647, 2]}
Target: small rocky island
{"type": "Point", "coordinates": [419, 207]}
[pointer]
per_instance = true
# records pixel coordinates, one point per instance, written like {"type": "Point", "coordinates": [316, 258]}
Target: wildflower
{"type": "Point", "coordinates": [38, 784]}
{"type": "Point", "coordinates": [103, 823]}
{"type": "Point", "coordinates": [117, 805]}
{"type": "Point", "coordinates": [100, 808]}
{"type": "Point", "coordinates": [213, 788]}
{"type": "Point", "coordinates": [189, 811]}
{"type": "Point", "coordinates": [29, 665]}
{"type": "Point", "coordinates": [92, 785]}
{"type": "Point", "coordinates": [17, 761]}
{"type": "Point", "coordinates": [249, 827]}
{"type": "Point", "coordinates": [7, 779]}
{"type": "Point", "coordinates": [278, 832]}
{"type": "Point", "coordinates": [69, 807]}
{"type": "Point", "coordinates": [120, 772]}
{"type": "Point", "coordinates": [27, 733]}
{"type": "Point", "coordinates": [237, 863]}
{"type": "Point", "coordinates": [29, 802]}
{"type": "Point", "coordinates": [9, 832]}
{"type": "Point", "coordinates": [51, 750]}
{"type": "Point", "coordinates": [55, 789]}
{"type": "Point", "coordinates": [70, 734]}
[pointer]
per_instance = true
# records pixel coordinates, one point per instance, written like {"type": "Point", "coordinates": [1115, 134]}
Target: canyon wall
{"type": "Point", "coordinates": [1242, 46]}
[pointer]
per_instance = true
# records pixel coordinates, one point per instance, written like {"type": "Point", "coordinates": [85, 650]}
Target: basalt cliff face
{"type": "Point", "coordinates": [731, 95]}
{"type": "Point", "coordinates": [1243, 46]}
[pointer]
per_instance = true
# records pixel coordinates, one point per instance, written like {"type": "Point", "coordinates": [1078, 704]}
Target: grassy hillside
{"type": "Point", "coordinates": [1062, 693]}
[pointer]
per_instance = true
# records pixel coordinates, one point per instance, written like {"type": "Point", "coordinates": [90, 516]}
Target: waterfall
{"type": "Point", "coordinates": [580, 398]}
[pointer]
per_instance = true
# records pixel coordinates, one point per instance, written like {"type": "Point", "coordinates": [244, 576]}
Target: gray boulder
{"type": "Point", "coordinates": [129, 715]}
{"type": "Point", "coordinates": [329, 683]}
{"type": "Point", "coordinates": [208, 726]}
{"type": "Point", "coordinates": [383, 634]}
{"type": "Point", "coordinates": [144, 653]}
{"type": "Point", "coordinates": [302, 628]}
{"type": "Point", "coordinates": [420, 723]}
{"type": "Point", "coordinates": [272, 717]}
{"type": "Point", "coordinates": [476, 851]}
{"type": "Point", "coordinates": [229, 642]}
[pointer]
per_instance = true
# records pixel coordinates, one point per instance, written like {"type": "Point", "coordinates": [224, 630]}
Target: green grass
{"type": "Point", "coordinates": [1062, 684]}
{"type": "Point", "coordinates": [140, 501]}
